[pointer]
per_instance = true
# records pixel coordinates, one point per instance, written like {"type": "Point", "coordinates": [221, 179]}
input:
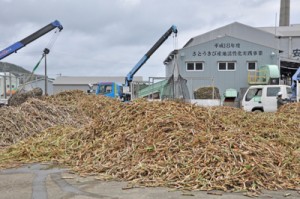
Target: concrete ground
{"type": "Point", "coordinates": [41, 181]}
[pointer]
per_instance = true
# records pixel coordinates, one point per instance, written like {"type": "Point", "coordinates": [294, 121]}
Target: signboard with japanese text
{"type": "Point", "coordinates": [227, 49]}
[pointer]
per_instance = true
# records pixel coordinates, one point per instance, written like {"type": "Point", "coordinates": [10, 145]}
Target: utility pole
{"type": "Point", "coordinates": [46, 51]}
{"type": "Point", "coordinates": [10, 87]}
{"type": "Point", "coordinates": [4, 83]}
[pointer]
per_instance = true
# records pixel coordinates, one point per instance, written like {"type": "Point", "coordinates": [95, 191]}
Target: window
{"type": "Point", "coordinates": [190, 66]}
{"type": "Point", "coordinates": [194, 66]}
{"type": "Point", "coordinates": [254, 93]}
{"type": "Point", "coordinates": [251, 65]}
{"type": "Point", "coordinates": [108, 88]}
{"type": "Point", "coordinates": [272, 91]}
{"type": "Point", "coordinates": [199, 66]}
{"type": "Point", "coordinates": [226, 66]}
{"type": "Point", "coordinates": [104, 89]}
{"type": "Point", "coordinates": [289, 91]}
{"type": "Point", "coordinates": [230, 66]}
{"type": "Point", "coordinates": [222, 66]}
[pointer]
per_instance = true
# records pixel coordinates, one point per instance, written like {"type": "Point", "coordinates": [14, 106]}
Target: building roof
{"type": "Point", "coordinates": [283, 31]}
{"type": "Point", "coordinates": [239, 31]}
{"type": "Point", "coordinates": [265, 36]}
{"type": "Point", "coordinates": [50, 80]}
{"type": "Point", "coordinates": [80, 80]}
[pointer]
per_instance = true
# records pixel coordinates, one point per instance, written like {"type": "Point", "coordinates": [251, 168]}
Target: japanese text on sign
{"type": "Point", "coordinates": [228, 53]}
{"type": "Point", "coordinates": [234, 50]}
{"type": "Point", "coordinates": [227, 45]}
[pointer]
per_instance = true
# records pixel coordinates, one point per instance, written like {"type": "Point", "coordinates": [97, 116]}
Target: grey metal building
{"type": "Point", "coordinates": [224, 57]}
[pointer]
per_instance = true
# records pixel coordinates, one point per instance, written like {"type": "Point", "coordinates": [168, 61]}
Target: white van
{"type": "Point", "coordinates": [263, 98]}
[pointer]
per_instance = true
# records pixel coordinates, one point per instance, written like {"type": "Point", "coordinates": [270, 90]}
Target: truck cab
{"type": "Point", "coordinates": [110, 89]}
{"type": "Point", "coordinates": [263, 98]}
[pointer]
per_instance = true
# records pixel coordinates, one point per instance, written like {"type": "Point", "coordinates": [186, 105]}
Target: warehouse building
{"type": "Point", "coordinates": [229, 57]}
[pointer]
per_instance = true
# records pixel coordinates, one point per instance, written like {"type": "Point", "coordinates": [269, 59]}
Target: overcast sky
{"type": "Point", "coordinates": [108, 37]}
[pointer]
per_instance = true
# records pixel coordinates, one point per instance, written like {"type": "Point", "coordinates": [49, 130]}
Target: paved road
{"type": "Point", "coordinates": [40, 181]}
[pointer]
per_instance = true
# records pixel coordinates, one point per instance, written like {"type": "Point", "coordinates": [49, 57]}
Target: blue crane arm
{"type": "Point", "coordinates": [143, 60]}
{"type": "Point", "coordinates": [20, 44]}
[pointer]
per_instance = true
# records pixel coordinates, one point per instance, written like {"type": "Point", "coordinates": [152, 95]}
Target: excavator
{"type": "Point", "coordinates": [115, 89]}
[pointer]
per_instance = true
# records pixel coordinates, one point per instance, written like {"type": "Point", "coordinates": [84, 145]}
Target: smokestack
{"type": "Point", "coordinates": [284, 19]}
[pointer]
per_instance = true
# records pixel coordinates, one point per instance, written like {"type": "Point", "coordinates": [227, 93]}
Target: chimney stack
{"type": "Point", "coordinates": [284, 19]}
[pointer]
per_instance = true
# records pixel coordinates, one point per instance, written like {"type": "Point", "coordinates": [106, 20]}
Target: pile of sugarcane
{"type": "Point", "coordinates": [207, 93]}
{"type": "Point", "coordinates": [34, 116]}
{"type": "Point", "coordinates": [171, 144]}
{"type": "Point", "coordinates": [20, 97]}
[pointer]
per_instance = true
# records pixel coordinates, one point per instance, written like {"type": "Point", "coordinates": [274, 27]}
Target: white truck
{"type": "Point", "coordinates": [263, 98]}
